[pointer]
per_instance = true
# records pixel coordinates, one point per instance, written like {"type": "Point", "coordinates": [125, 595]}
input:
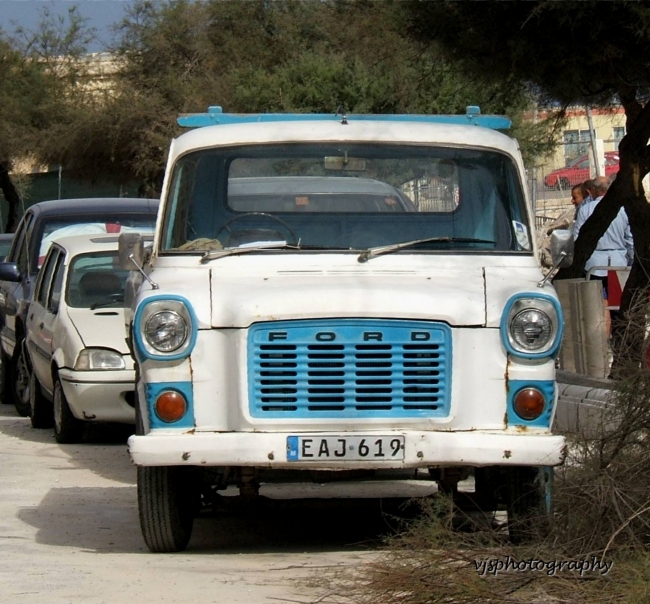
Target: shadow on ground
{"type": "Point", "coordinates": [105, 520]}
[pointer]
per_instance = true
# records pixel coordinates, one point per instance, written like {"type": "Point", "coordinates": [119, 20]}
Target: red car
{"type": "Point", "coordinates": [578, 171]}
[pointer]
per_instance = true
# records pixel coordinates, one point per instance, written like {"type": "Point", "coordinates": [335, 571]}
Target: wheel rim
{"type": "Point", "coordinates": [22, 380]}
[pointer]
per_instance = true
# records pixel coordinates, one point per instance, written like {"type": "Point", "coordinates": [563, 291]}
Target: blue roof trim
{"type": "Point", "coordinates": [216, 117]}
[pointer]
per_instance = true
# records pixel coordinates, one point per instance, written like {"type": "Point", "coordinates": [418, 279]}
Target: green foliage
{"type": "Point", "coordinates": [300, 55]}
{"type": "Point", "coordinates": [180, 56]}
{"type": "Point", "coordinates": [570, 51]}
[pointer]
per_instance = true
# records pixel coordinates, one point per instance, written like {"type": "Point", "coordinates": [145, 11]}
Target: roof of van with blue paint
{"type": "Point", "coordinates": [215, 116]}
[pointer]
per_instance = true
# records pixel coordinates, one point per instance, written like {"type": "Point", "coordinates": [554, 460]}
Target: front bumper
{"type": "Point", "coordinates": [421, 449]}
{"type": "Point", "coordinates": [100, 396]}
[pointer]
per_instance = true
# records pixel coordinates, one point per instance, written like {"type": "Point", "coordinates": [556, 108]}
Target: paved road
{"type": "Point", "coordinates": [69, 532]}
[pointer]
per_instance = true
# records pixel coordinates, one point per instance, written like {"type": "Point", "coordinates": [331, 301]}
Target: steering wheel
{"type": "Point", "coordinates": [226, 225]}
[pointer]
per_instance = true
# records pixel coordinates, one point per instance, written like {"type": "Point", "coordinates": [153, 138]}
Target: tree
{"type": "Point", "coordinates": [36, 95]}
{"type": "Point", "coordinates": [257, 56]}
{"type": "Point", "coordinates": [589, 52]}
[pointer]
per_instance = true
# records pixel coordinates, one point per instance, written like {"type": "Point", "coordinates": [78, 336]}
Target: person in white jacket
{"type": "Point", "coordinates": [615, 247]}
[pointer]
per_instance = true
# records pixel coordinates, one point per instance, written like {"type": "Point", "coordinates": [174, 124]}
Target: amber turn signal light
{"type": "Point", "coordinates": [170, 406]}
{"type": "Point", "coordinates": [529, 403]}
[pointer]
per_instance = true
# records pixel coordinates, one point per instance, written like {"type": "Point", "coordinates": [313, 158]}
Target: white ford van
{"type": "Point", "coordinates": [330, 292]}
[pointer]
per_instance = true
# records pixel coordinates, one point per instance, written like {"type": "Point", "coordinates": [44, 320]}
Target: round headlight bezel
{"type": "Point", "coordinates": [165, 307]}
{"type": "Point", "coordinates": [547, 309]}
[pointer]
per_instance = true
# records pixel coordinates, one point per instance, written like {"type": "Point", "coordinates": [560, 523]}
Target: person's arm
{"type": "Point", "coordinates": [580, 220]}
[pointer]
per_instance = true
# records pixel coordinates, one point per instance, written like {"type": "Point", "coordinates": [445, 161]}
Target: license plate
{"type": "Point", "coordinates": [345, 448]}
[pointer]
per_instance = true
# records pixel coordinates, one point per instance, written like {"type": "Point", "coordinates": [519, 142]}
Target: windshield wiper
{"type": "Point", "coordinates": [108, 301]}
{"type": "Point", "coordinates": [394, 247]}
{"type": "Point", "coordinates": [232, 251]}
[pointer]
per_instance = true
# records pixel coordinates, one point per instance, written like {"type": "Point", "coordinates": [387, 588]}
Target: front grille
{"type": "Point", "coordinates": [349, 368]}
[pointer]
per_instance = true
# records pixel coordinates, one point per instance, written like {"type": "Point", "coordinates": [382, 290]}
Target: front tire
{"type": "Point", "coordinates": [528, 498]}
{"type": "Point", "coordinates": [67, 428]}
{"type": "Point", "coordinates": [40, 409]}
{"type": "Point", "coordinates": [166, 503]}
{"type": "Point", "coordinates": [21, 382]}
{"type": "Point", "coordinates": [6, 380]}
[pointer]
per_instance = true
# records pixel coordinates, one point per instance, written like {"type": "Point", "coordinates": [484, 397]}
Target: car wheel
{"type": "Point", "coordinates": [166, 504]}
{"type": "Point", "coordinates": [6, 380]}
{"type": "Point", "coordinates": [40, 409]}
{"type": "Point", "coordinates": [528, 499]}
{"type": "Point", "coordinates": [67, 428]}
{"type": "Point", "coordinates": [21, 382]}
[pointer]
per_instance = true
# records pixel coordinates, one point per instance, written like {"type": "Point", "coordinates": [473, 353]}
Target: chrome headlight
{"type": "Point", "coordinates": [165, 328]}
{"type": "Point", "coordinates": [532, 326]}
{"type": "Point", "coordinates": [166, 331]}
{"type": "Point", "coordinates": [97, 359]}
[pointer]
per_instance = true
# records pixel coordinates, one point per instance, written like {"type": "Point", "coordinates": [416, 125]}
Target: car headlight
{"type": "Point", "coordinates": [165, 328]}
{"type": "Point", "coordinates": [94, 359]}
{"type": "Point", "coordinates": [166, 331]}
{"type": "Point", "coordinates": [532, 326]}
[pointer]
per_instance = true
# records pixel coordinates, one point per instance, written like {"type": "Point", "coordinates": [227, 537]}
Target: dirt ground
{"type": "Point", "coordinates": [69, 531]}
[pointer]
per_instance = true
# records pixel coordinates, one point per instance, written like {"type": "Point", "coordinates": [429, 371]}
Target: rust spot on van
{"type": "Point", "coordinates": [522, 428]}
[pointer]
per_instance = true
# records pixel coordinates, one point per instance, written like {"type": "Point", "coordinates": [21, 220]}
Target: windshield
{"type": "Point", "coordinates": [345, 197]}
{"type": "Point", "coordinates": [57, 228]}
{"type": "Point", "coordinates": [96, 280]}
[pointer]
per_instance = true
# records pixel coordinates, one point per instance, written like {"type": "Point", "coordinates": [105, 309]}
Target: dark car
{"type": "Point", "coordinates": [41, 224]}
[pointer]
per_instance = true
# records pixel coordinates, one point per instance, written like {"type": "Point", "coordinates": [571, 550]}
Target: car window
{"type": "Point", "coordinates": [21, 259]}
{"type": "Point", "coordinates": [45, 278]}
{"type": "Point", "coordinates": [19, 253]}
{"type": "Point", "coordinates": [58, 228]}
{"type": "Point", "coordinates": [17, 242]}
{"type": "Point", "coordinates": [353, 196]}
{"type": "Point", "coordinates": [5, 246]}
{"type": "Point", "coordinates": [57, 285]}
{"type": "Point", "coordinates": [96, 279]}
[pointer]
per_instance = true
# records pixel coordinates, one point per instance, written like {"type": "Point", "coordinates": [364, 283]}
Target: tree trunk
{"type": "Point", "coordinates": [13, 198]}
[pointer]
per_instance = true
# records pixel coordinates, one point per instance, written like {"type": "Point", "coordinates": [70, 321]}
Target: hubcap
{"type": "Point", "coordinates": [22, 380]}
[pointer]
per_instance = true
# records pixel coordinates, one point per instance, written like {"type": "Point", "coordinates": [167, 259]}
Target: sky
{"type": "Point", "coordinates": [100, 14]}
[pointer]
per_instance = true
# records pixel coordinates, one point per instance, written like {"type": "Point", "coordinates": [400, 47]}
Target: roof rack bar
{"type": "Point", "coordinates": [216, 117]}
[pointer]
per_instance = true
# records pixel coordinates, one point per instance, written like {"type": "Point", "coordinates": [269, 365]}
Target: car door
{"type": "Point", "coordinates": [42, 315]}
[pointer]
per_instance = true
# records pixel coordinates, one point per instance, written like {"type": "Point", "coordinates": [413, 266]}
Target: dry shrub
{"type": "Point", "coordinates": [601, 512]}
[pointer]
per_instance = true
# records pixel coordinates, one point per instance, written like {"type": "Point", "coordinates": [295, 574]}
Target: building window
{"type": "Point", "coordinates": [617, 134]}
{"type": "Point", "coordinates": [576, 143]}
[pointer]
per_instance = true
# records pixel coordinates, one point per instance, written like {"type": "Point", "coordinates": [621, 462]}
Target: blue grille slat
{"type": "Point", "coordinates": [329, 369]}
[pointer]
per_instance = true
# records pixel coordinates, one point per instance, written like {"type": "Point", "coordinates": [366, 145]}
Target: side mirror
{"type": "Point", "coordinates": [561, 248]}
{"type": "Point", "coordinates": [131, 251]}
{"type": "Point", "coordinates": [9, 271]}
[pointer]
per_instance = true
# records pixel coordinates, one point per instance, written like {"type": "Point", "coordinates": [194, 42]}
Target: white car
{"type": "Point", "coordinates": [81, 367]}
